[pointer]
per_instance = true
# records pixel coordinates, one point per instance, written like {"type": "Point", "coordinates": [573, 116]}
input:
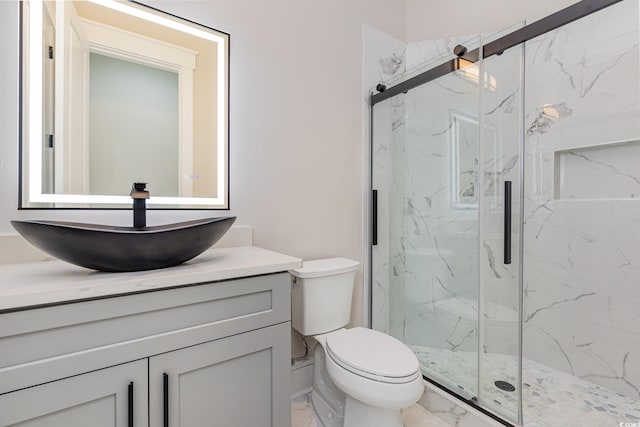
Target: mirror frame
{"type": "Point", "coordinates": [30, 194]}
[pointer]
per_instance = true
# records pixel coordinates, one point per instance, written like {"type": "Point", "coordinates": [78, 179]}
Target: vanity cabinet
{"type": "Point", "coordinates": [214, 353]}
{"type": "Point", "coordinates": [115, 396]}
{"type": "Point", "coordinates": [234, 382]}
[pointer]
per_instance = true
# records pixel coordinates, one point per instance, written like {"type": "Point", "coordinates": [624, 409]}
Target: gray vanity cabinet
{"type": "Point", "coordinates": [214, 353]}
{"type": "Point", "coordinates": [232, 382]}
{"type": "Point", "coordinates": [103, 398]}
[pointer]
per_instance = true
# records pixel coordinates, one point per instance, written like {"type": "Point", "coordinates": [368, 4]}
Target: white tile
{"type": "Point", "coordinates": [582, 254]}
{"type": "Point", "coordinates": [302, 415]}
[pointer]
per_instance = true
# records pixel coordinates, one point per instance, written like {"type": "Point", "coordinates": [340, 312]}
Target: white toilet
{"type": "Point", "coordinates": [361, 377]}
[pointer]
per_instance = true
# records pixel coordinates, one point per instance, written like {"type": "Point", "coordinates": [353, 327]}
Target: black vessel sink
{"type": "Point", "coordinates": [118, 249]}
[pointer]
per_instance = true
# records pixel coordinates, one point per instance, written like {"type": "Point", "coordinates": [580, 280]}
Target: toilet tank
{"type": "Point", "coordinates": [321, 294]}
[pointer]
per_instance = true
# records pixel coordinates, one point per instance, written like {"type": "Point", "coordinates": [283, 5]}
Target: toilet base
{"type": "Point", "coordinates": [328, 416]}
{"type": "Point", "coordinates": [328, 400]}
{"type": "Point", "coordinates": [358, 414]}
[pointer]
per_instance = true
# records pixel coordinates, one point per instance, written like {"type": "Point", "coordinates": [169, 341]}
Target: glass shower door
{"type": "Point", "coordinates": [425, 263]}
{"type": "Point", "coordinates": [500, 262]}
{"type": "Point", "coordinates": [441, 154]}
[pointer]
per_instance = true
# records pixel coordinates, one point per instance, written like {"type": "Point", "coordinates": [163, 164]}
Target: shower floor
{"type": "Point", "coordinates": [550, 397]}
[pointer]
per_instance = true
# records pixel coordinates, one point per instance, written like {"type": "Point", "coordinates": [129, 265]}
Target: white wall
{"type": "Point", "coordinates": [432, 19]}
{"type": "Point", "coordinates": [296, 121]}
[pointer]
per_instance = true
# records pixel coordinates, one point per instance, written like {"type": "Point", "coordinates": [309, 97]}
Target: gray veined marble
{"type": "Point", "coordinates": [580, 228]}
{"type": "Point", "coordinates": [506, 105]}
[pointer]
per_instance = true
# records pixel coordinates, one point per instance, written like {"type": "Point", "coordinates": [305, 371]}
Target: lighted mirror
{"type": "Point", "coordinates": [115, 93]}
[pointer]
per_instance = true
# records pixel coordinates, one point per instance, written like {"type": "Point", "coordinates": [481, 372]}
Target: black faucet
{"type": "Point", "coordinates": [139, 194]}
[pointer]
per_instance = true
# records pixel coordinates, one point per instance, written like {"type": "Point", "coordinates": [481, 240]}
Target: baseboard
{"type": "Point", "coordinates": [301, 377]}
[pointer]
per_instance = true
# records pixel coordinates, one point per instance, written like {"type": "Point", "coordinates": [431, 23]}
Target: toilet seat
{"type": "Point", "coordinates": [378, 392]}
{"type": "Point", "coordinates": [373, 355]}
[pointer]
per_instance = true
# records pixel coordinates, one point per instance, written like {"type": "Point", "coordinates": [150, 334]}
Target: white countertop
{"type": "Point", "coordinates": [54, 282]}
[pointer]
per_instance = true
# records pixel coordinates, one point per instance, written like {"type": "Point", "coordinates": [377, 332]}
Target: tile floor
{"type": "Point", "coordinates": [550, 398]}
{"type": "Point", "coordinates": [302, 415]}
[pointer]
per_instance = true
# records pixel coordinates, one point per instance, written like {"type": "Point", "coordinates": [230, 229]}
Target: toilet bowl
{"type": "Point", "coordinates": [361, 377]}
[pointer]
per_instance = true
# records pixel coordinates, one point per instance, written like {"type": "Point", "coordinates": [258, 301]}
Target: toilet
{"type": "Point", "coordinates": [361, 377]}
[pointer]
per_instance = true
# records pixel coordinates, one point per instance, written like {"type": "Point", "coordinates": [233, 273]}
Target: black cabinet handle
{"type": "Point", "coordinates": [165, 390]}
{"type": "Point", "coordinates": [507, 222]}
{"type": "Point", "coordinates": [374, 217]}
{"type": "Point", "coordinates": [130, 404]}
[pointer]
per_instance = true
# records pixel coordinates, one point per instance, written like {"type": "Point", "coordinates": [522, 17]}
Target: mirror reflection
{"type": "Point", "coordinates": [115, 93]}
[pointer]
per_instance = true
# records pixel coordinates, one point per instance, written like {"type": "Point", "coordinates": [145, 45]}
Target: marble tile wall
{"type": "Point", "coordinates": [582, 250]}
{"type": "Point", "coordinates": [435, 235]}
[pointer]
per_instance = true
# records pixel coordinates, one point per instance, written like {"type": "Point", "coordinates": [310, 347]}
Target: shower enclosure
{"type": "Point", "coordinates": [506, 218]}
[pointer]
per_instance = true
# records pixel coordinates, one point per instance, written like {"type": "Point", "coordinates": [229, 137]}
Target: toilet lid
{"type": "Point", "coordinates": [372, 352]}
{"type": "Point", "coordinates": [325, 267]}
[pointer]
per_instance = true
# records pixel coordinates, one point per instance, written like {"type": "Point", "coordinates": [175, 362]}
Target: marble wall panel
{"type": "Point", "coordinates": [581, 259]}
{"type": "Point", "coordinates": [442, 261]}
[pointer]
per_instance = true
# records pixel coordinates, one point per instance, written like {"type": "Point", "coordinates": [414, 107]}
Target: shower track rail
{"type": "Point", "coordinates": [496, 47]}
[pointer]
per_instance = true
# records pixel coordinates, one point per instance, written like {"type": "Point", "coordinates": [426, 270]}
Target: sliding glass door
{"type": "Point", "coordinates": [506, 191]}
{"type": "Point", "coordinates": [441, 282]}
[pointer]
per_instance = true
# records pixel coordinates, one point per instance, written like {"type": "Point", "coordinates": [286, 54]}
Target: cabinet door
{"type": "Point", "coordinates": [239, 381]}
{"type": "Point", "coordinates": [97, 399]}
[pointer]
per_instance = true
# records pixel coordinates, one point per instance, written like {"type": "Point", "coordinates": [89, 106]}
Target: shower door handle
{"type": "Point", "coordinates": [374, 217]}
{"type": "Point", "coordinates": [507, 222]}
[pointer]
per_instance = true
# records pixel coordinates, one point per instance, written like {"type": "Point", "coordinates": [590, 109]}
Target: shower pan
{"type": "Point", "coordinates": [505, 178]}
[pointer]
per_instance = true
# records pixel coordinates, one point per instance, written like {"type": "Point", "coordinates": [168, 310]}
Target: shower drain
{"type": "Point", "coordinates": [503, 385]}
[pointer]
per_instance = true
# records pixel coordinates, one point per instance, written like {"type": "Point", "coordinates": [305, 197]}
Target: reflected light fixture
{"type": "Point", "coordinates": [470, 71]}
{"type": "Point", "coordinates": [551, 112]}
